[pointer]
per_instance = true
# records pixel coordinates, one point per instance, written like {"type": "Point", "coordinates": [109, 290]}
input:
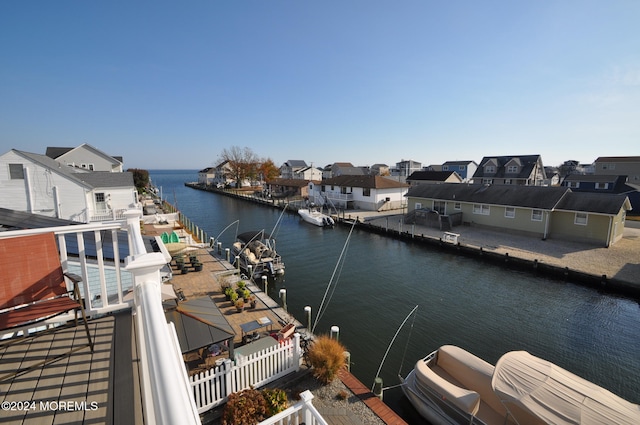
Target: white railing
{"type": "Point", "coordinates": [212, 387]}
{"type": "Point", "coordinates": [303, 412]}
{"type": "Point", "coordinates": [107, 215]}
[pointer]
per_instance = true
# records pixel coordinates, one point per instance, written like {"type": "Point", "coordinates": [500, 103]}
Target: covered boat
{"type": "Point", "coordinates": [453, 386]}
{"type": "Point", "coordinates": [316, 217]}
{"type": "Point", "coordinates": [257, 255]}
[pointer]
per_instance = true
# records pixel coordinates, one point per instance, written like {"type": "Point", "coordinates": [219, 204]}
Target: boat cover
{"type": "Point", "coordinates": [529, 385]}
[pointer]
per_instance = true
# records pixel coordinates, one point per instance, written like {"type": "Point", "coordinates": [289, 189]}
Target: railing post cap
{"type": "Point", "coordinates": [306, 396]}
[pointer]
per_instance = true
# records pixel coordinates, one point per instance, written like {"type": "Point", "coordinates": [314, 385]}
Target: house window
{"type": "Point", "coordinates": [490, 169]}
{"type": "Point", "coordinates": [16, 172]}
{"type": "Point", "coordinates": [90, 166]}
{"type": "Point", "coordinates": [439, 206]}
{"type": "Point", "coordinates": [536, 215]}
{"type": "Point", "coordinates": [418, 206]}
{"type": "Point", "coordinates": [508, 181]}
{"type": "Point", "coordinates": [512, 169]}
{"type": "Point", "coordinates": [100, 197]}
{"type": "Point", "coordinates": [445, 168]}
{"type": "Point", "coordinates": [602, 185]}
{"type": "Point", "coordinates": [580, 219]}
{"type": "Point", "coordinates": [487, 181]}
{"type": "Point", "coordinates": [366, 191]}
{"type": "Point", "coordinates": [510, 212]}
{"type": "Point", "coordinates": [573, 185]}
{"type": "Point", "coordinates": [323, 188]}
{"type": "Point", "coordinates": [457, 206]}
{"type": "Point", "coordinates": [481, 209]}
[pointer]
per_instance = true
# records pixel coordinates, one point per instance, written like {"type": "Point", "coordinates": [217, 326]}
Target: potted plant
{"type": "Point", "coordinates": [179, 262]}
{"type": "Point", "coordinates": [242, 284]}
{"type": "Point", "coordinates": [233, 297]}
{"type": "Point", "coordinates": [197, 266]}
{"type": "Point", "coordinates": [253, 301]}
{"type": "Point", "coordinates": [193, 258]}
{"type": "Point", "coordinates": [244, 293]}
{"type": "Point", "coordinates": [239, 304]}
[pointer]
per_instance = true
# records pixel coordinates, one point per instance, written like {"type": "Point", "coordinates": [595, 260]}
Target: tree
{"type": "Point", "coordinates": [140, 179]}
{"type": "Point", "coordinates": [243, 164]}
{"type": "Point", "coordinates": [268, 170]}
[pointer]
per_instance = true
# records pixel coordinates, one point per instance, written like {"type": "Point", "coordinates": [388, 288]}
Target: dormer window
{"type": "Point", "coordinates": [490, 169]}
{"type": "Point", "coordinates": [512, 169]}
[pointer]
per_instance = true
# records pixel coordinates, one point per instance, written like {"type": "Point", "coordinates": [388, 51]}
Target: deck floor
{"type": "Point", "coordinates": [79, 388]}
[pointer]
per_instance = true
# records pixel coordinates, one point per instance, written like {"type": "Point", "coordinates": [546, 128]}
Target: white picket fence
{"type": "Point", "coordinates": [212, 387]}
{"type": "Point", "coordinates": [302, 412]}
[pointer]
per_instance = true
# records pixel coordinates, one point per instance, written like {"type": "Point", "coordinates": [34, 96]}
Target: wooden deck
{"type": "Point", "coordinates": [100, 387]}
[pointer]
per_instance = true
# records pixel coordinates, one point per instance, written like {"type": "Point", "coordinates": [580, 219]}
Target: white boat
{"type": "Point", "coordinates": [453, 386]}
{"type": "Point", "coordinates": [316, 217]}
{"type": "Point", "coordinates": [257, 255]}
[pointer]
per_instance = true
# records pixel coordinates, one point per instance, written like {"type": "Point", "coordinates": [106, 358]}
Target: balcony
{"type": "Point", "coordinates": [136, 373]}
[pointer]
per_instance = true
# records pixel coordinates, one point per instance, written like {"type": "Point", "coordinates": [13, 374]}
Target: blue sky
{"type": "Point", "coordinates": [171, 84]}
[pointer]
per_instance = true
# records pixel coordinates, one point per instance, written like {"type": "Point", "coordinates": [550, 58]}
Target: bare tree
{"type": "Point", "coordinates": [243, 164]}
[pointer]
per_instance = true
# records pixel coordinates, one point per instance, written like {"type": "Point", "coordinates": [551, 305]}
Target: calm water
{"type": "Point", "coordinates": [482, 308]}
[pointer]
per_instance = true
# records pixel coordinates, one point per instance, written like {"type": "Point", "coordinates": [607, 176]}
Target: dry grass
{"type": "Point", "coordinates": [326, 356]}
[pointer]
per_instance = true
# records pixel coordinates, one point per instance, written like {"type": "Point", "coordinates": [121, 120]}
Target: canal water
{"type": "Point", "coordinates": [480, 307]}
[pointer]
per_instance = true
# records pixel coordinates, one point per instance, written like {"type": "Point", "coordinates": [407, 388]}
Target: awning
{"type": "Point", "coordinates": [531, 387]}
{"type": "Point", "coordinates": [199, 323]}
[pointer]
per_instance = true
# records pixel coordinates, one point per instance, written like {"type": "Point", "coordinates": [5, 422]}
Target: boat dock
{"type": "Point", "coordinates": [206, 283]}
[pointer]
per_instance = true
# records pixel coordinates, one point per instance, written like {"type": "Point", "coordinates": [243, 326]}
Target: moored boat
{"type": "Point", "coordinates": [453, 386]}
{"type": "Point", "coordinates": [257, 255]}
{"type": "Point", "coordinates": [316, 217]}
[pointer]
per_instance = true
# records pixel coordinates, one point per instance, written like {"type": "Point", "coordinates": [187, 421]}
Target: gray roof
{"type": "Point", "coordinates": [602, 203]}
{"type": "Point", "coordinates": [89, 179]}
{"type": "Point", "coordinates": [438, 176]}
{"type": "Point", "coordinates": [367, 181]}
{"type": "Point", "coordinates": [106, 179]}
{"type": "Point", "coordinates": [54, 152]}
{"type": "Point", "coordinates": [295, 163]}
{"type": "Point", "coordinates": [537, 197]}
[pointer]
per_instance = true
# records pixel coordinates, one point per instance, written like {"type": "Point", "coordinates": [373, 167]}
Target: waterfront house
{"type": "Point", "coordinates": [343, 169]}
{"type": "Point", "coordinates": [223, 175]}
{"type": "Point", "coordinates": [291, 188]}
{"type": "Point", "coordinates": [86, 157]}
{"type": "Point", "coordinates": [380, 170]}
{"type": "Point", "coordinates": [465, 169]}
{"type": "Point", "coordinates": [366, 192]}
{"type": "Point", "coordinates": [308, 173]}
{"type": "Point", "coordinates": [545, 212]}
{"type": "Point", "coordinates": [38, 184]}
{"type": "Point", "coordinates": [206, 176]}
{"type": "Point", "coordinates": [433, 177]}
{"type": "Point", "coordinates": [520, 170]}
{"type": "Point", "coordinates": [405, 168]}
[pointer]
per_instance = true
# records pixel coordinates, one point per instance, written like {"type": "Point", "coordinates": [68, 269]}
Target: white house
{"type": "Point", "coordinates": [372, 193]}
{"type": "Point", "coordinates": [207, 175]}
{"type": "Point", "coordinates": [38, 184]}
{"type": "Point", "coordinates": [308, 173]}
{"type": "Point", "coordinates": [86, 157]}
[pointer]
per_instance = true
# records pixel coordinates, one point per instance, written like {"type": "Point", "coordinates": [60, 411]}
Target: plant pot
{"type": "Point", "coordinates": [185, 270]}
{"type": "Point", "coordinates": [197, 267]}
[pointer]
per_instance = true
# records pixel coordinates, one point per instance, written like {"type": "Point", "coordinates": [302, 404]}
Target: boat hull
{"type": "Point", "coordinates": [316, 218]}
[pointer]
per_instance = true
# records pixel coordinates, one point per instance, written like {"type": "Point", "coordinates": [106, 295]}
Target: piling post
{"type": "Point", "coordinates": [219, 248]}
{"type": "Point", "coordinates": [377, 387]}
{"type": "Point", "coordinates": [227, 255]}
{"type": "Point", "coordinates": [283, 297]}
{"type": "Point", "coordinates": [307, 313]}
{"type": "Point", "coordinates": [335, 332]}
{"type": "Point", "coordinates": [266, 284]}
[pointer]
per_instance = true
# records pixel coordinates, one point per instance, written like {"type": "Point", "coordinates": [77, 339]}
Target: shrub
{"type": "Point", "coordinates": [326, 356]}
{"type": "Point", "coordinates": [276, 400]}
{"type": "Point", "coordinates": [342, 395]}
{"type": "Point", "coordinates": [247, 407]}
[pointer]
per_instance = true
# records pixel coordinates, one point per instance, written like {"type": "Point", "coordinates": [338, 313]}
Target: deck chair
{"type": "Point", "coordinates": [33, 288]}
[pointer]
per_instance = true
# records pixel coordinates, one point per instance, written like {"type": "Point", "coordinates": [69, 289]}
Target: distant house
{"type": "Point", "coordinates": [37, 184]}
{"type": "Point", "coordinates": [465, 169]}
{"type": "Point", "coordinates": [619, 165]}
{"type": "Point", "coordinates": [552, 176]}
{"type": "Point", "coordinates": [308, 173]}
{"type": "Point", "coordinates": [222, 175]}
{"type": "Point", "coordinates": [291, 167]}
{"type": "Point", "coordinates": [366, 192]}
{"type": "Point", "coordinates": [380, 170]}
{"type": "Point", "coordinates": [291, 188]}
{"type": "Point", "coordinates": [522, 170]}
{"type": "Point", "coordinates": [405, 168]}
{"type": "Point", "coordinates": [86, 157]}
{"type": "Point", "coordinates": [343, 169]}
{"type": "Point", "coordinates": [207, 176]}
{"type": "Point", "coordinates": [433, 177]}
{"type": "Point", "coordinates": [545, 212]}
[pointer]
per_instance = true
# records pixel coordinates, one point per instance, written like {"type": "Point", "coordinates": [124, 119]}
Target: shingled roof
{"type": "Point", "coordinates": [537, 197]}
{"type": "Point", "coordinates": [366, 181]}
